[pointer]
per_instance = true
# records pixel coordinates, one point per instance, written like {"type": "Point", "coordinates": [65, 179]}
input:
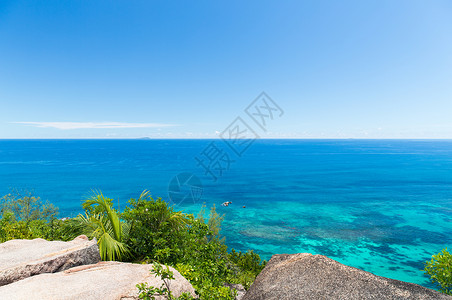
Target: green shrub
{"type": "Point", "coordinates": [156, 230]}
{"type": "Point", "coordinates": [23, 206]}
{"type": "Point", "coordinates": [147, 292]}
{"type": "Point", "coordinates": [439, 268]}
{"type": "Point", "coordinates": [24, 216]}
{"type": "Point", "coordinates": [50, 230]}
{"type": "Point", "coordinates": [249, 265]}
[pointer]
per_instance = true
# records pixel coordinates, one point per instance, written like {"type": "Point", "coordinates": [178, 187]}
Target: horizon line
{"type": "Point", "coordinates": [217, 138]}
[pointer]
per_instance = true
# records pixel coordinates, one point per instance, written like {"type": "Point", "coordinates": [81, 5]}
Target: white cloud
{"type": "Point", "coordinates": [92, 125]}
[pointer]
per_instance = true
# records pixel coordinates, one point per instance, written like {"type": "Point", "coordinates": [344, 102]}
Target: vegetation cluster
{"type": "Point", "coordinates": [148, 230]}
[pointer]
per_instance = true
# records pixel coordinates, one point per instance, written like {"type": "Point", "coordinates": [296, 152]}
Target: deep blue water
{"type": "Point", "coordinates": [383, 206]}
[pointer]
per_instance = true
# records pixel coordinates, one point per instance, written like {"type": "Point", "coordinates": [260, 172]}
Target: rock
{"type": "Point", "coordinates": [104, 280]}
{"type": "Point", "coordinates": [239, 288]}
{"type": "Point", "coordinates": [307, 276]}
{"type": "Point", "coordinates": [20, 259]}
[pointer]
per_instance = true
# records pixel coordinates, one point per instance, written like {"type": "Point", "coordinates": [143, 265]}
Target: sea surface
{"type": "Point", "coordinates": [383, 206]}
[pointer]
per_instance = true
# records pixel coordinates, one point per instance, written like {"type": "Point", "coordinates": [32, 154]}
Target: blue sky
{"type": "Point", "coordinates": [187, 69]}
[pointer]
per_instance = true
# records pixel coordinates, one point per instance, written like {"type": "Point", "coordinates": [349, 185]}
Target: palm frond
{"type": "Point", "coordinates": [102, 222]}
{"type": "Point", "coordinates": [111, 249]}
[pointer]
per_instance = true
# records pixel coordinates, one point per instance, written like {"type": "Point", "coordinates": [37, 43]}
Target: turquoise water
{"type": "Point", "coordinates": [383, 206]}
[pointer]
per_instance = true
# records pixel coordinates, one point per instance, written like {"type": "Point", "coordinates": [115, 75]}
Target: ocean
{"type": "Point", "coordinates": [383, 206]}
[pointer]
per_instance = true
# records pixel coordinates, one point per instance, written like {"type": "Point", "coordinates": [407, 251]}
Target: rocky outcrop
{"type": "Point", "coordinates": [307, 276]}
{"type": "Point", "coordinates": [20, 259]}
{"type": "Point", "coordinates": [104, 280]}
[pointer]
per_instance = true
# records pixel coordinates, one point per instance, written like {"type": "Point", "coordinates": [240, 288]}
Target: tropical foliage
{"type": "Point", "coordinates": [148, 230]}
{"type": "Point", "coordinates": [23, 206]}
{"type": "Point", "coordinates": [156, 230]}
{"type": "Point", "coordinates": [102, 222]}
{"type": "Point", "coordinates": [439, 268]}
{"type": "Point", "coordinates": [24, 216]}
{"type": "Point", "coordinates": [147, 292]}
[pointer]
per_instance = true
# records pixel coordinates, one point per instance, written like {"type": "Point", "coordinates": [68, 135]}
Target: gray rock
{"type": "Point", "coordinates": [104, 280]}
{"type": "Point", "coordinates": [20, 259]}
{"type": "Point", "coordinates": [307, 276]}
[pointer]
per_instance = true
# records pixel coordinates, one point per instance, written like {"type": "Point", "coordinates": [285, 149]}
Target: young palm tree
{"type": "Point", "coordinates": [102, 222]}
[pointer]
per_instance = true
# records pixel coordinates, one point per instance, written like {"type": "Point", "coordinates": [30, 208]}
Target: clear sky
{"type": "Point", "coordinates": [187, 69]}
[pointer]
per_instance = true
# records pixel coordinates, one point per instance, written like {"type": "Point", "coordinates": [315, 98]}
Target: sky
{"type": "Point", "coordinates": [188, 69]}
